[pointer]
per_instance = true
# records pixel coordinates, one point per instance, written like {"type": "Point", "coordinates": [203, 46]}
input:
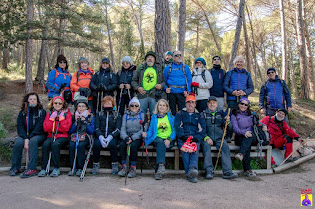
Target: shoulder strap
{"type": "Point", "coordinates": [57, 73]}
{"type": "Point", "coordinates": [283, 86]}
{"type": "Point", "coordinates": [183, 69]}
{"type": "Point", "coordinates": [203, 74]}
{"type": "Point", "coordinates": [78, 74]}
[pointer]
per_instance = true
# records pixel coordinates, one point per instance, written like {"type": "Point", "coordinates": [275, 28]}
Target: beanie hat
{"type": "Point", "coordinates": [152, 53]}
{"type": "Point", "coordinates": [127, 59]}
{"type": "Point", "coordinates": [216, 56]}
{"type": "Point", "coordinates": [58, 97]}
{"type": "Point", "coordinates": [168, 53]}
{"type": "Point", "coordinates": [271, 69]}
{"type": "Point", "coordinates": [134, 100]}
{"type": "Point", "coordinates": [105, 59]}
{"type": "Point", "coordinates": [200, 59]}
{"type": "Point", "coordinates": [283, 110]}
{"type": "Point", "coordinates": [83, 59]}
{"type": "Point", "coordinates": [60, 58]}
{"type": "Point", "coordinates": [244, 99]}
{"type": "Point", "coordinates": [81, 99]}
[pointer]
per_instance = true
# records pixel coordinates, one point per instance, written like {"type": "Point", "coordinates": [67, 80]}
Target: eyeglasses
{"type": "Point", "coordinates": [244, 104]}
{"type": "Point", "coordinates": [216, 59]}
{"type": "Point", "coordinates": [177, 55]}
{"type": "Point", "coordinates": [62, 62]}
{"type": "Point", "coordinates": [58, 103]}
{"type": "Point", "coordinates": [270, 72]}
{"type": "Point", "coordinates": [134, 105]}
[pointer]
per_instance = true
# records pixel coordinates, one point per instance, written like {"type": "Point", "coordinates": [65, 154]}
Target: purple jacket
{"type": "Point", "coordinates": [242, 123]}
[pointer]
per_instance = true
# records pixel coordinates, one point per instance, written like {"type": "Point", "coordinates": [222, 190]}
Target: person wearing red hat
{"type": "Point", "coordinates": [57, 124]}
{"type": "Point", "coordinates": [190, 128]}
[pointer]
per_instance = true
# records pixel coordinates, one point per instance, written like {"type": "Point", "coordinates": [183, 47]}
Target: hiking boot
{"type": "Point", "coordinates": [28, 173]}
{"type": "Point", "coordinates": [250, 174]}
{"type": "Point", "coordinates": [42, 173]}
{"type": "Point", "coordinates": [70, 172]}
{"type": "Point", "coordinates": [13, 172]}
{"type": "Point", "coordinates": [160, 172]}
{"type": "Point", "coordinates": [239, 156]}
{"type": "Point", "coordinates": [55, 172]}
{"type": "Point", "coordinates": [96, 166]}
{"type": "Point", "coordinates": [193, 180]}
{"type": "Point", "coordinates": [78, 173]}
{"type": "Point", "coordinates": [115, 168]}
{"type": "Point", "coordinates": [122, 172]}
{"type": "Point", "coordinates": [209, 175]}
{"type": "Point", "coordinates": [132, 173]}
{"type": "Point", "coordinates": [192, 172]}
{"type": "Point", "coordinates": [158, 176]}
{"type": "Point", "coordinates": [230, 175]}
{"type": "Point", "coordinates": [291, 159]}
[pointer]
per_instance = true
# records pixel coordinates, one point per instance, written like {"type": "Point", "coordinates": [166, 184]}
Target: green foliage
{"type": "Point", "coordinates": [5, 153]}
{"type": "Point", "coordinates": [3, 131]}
{"type": "Point", "coordinates": [6, 116]}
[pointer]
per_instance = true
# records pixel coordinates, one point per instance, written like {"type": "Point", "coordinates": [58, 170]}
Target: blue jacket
{"type": "Point", "coordinates": [152, 131]}
{"type": "Point", "coordinates": [276, 95]}
{"type": "Point", "coordinates": [188, 125]}
{"type": "Point", "coordinates": [53, 84]}
{"type": "Point", "coordinates": [90, 128]}
{"type": "Point", "coordinates": [237, 80]}
{"type": "Point", "coordinates": [177, 78]}
{"type": "Point", "coordinates": [218, 78]}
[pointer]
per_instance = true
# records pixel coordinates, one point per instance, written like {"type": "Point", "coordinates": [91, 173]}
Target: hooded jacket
{"type": "Point", "coordinates": [56, 78]}
{"type": "Point", "coordinates": [83, 81]}
{"type": "Point", "coordinates": [63, 128]}
{"type": "Point", "coordinates": [132, 125]}
{"type": "Point", "coordinates": [112, 119]}
{"type": "Point", "coordinates": [177, 78]}
{"type": "Point", "coordinates": [204, 85]}
{"type": "Point", "coordinates": [218, 78]}
{"type": "Point", "coordinates": [105, 77]}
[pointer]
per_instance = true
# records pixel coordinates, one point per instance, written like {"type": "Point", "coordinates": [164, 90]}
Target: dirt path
{"type": "Point", "coordinates": [272, 191]}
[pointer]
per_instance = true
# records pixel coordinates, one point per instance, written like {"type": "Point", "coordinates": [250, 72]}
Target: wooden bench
{"type": "Point", "coordinates": [175, 153]}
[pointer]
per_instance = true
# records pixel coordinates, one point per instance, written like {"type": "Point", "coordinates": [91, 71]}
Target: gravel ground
{"type": "Point", "coordinates": [104, 191]}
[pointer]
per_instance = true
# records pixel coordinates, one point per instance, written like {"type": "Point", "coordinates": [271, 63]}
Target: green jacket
{"type": "Point", "coordinates": [138, 78]}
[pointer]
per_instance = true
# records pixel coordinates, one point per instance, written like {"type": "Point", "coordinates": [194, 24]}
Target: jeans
{"type": "Point", "coordinates": [225, 156]}
{"type": "Point", "coordinates": [161, 150]}
{"type": "Point", "coordinates": [189, 159]}
{"type": "Point", "coordinates": [245, 147]}
{"type": "Point", "coordinates": [135, 145]}
{"type": "Point", "coordinates": [202, 105]}
{"type": "Point", "coordinates": [146, 103]}
{"type": "Point", "coordinates": [220, 101]}
{"type": "Point", "coordinates": [80, 153]}
{"type": "Point", "coordinates": [98, 146]}
{"type": "Point", "coordinates": [55, 148]}
{"type": "Point", "coordinates": [34, 143]}
{"type": "Point", "coordinates": [176, 99]}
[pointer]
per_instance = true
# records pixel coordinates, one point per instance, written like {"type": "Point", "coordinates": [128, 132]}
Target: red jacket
{"type": "Point", "coordinates": [63, 128]}
{"type": "Point", "coordinates": [277, 130]}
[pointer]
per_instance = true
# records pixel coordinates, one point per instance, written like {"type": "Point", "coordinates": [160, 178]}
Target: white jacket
{"type": "Point", "coordinates": [204, 85]}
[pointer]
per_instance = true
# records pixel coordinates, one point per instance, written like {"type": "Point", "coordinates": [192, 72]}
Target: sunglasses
{"type": "Point", "coordinates": [244, 104]}
{"type": "Point", "coordinates": [177, 55]}
{"type": "Point", "coordinates": [216, 59]}
{"type": "Point", "coordinates": [198, 62]}
{"type": "Point", "coordinates": [58, 103]}
{"type": "Point", "coordinates": [62, 62]}
{"type": "Point", "coordinates": [134, 105]}
{"type": "Point", "coordinates": [270, 72]}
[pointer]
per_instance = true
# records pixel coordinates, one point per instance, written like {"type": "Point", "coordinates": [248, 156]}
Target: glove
{"type": "Point", "coordinates": [88, 93]}
{"type": "Point", "coordinates": [194, 139]}
{"type": "Point", "coordinates": [127, 139]}
{"type": "Point", "coordinates": [196, 84]}
{"type": "Point", "coordinates": [83, 91]}
{"type": "Point", "coordinates": [62, 116]}
{"type": "Point", "coordinates": [108, 139]}
{"type": "Point", "coordinates": [104, 88]}
{"type": "Point", "coordinates": [62, 87]}
{"type": "Point", "coordinates": [192, 84]}
{"type": "Point", "coordinates": [53, 116]}
{"type": "Point", "coordinates": [102, 140]}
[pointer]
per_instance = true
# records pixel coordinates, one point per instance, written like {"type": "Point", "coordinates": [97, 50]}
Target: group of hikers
{"type": "Point", "coordinates": [156, 103]}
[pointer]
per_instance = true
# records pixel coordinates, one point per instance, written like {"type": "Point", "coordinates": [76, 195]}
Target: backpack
{"type": "Point", "coordinates": [203, 75]}
{"type": "Point", "coordinates": [183, 69]}
{"type": "Point", "coordinates": [261, 138]}
{"type": "Point", "coordinates": [56, 75]}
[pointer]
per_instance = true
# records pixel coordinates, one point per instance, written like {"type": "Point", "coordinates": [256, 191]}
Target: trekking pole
{"type": "Point", "coordinates": [54, 135]}
{"type": "Point", "coordinates": [76, 152]}
{"type": "Point", "coordinates": [101, 100]}
{"type": "Point", "coordinates": [98, 100]}
{"type": "Point", "coordinates": [87, 157]}
{"type": "Point", "coordinates": [226, 123]}
{"type": "Point", "coordinates": [128, 90]}
{"type": "Point", "coordinates": [127, 162]}
{"type": "Point", "coordinates": [120, 95]}
{"type": "Point", "coordinates": [28, 133]}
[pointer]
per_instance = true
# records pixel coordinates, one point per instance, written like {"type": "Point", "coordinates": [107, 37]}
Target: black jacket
{"type": "Point", "coordinates": [105, 77]}
{"type": "Point", "coordinates": [114, 123]}
{"type": "Point", "coordinates": [36, 120]}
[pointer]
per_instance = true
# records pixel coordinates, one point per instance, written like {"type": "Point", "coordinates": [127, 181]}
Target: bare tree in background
{"type": "Point", "coordinates": [162, 24]}
{"type": "Point", "coordinates": [29, 48]}
{"type": "Point", "coordinates": [181, 26]}
{"type": "Point", "coordinates": [284, 42]}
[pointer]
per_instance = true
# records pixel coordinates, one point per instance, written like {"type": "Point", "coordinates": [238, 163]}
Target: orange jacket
{"type": "Point", "coordinates": [82, 82]}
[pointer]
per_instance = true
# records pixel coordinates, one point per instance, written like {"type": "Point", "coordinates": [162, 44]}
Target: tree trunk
{"type": "Point", "coordinates": [181, 26]}
{"type": "Point", "coordinates": [62, 22]}
{"type": "Point", "coordinates": [196, 53]}
{"type": "Point", "coordinates": [162, 33]}
{"type": "Point", "coordinates": [23, 56]}
{"type": "Point", "coordinates": [29, 48]}
{"type": "Point", "coordinates": [237, 33]}
{"type": "Point", "coordinates": [302, 53]}
{"type": "Point", "coordinates": [6, 55]}
{"type": "Point", "coordinates": [284, 42]}
{"type": "Point", "coordinates": [109, 37]}
{"type": "Point", "coordinates": [309, 55]}
{"type": "Point", "coordinates": [43, 56]}
{"type": "Point", "coordinates": [246, 44]}
{"type": "Point", "coordinates": [294, 89]}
